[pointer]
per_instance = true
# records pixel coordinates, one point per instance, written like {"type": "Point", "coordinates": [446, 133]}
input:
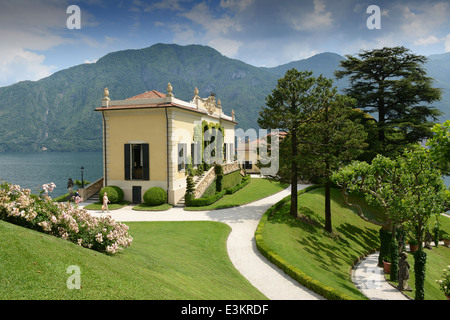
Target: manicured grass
{"type": "Point", "coordinates": [305, 245]}
{"type": "Point", "coordinates": [167, 260]}
{"type": "Point", "coordinates": [437, 259]}
{"type": "Point", "coordinates": [146, 207]}
{"type": "Point", "coordinates": [258, 188]}
{"type": "Point", "coordinates": [328, 259]}
{"type": "Point", "coordinates": [111, 206]}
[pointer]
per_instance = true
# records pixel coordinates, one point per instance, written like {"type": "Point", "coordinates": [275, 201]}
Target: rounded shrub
{"type": "Point", "coordinates": [112, 194]}
{"type": "Point", "coordinates": [119, 192]}
{"type": "Point", "coordinates": [155, 196]}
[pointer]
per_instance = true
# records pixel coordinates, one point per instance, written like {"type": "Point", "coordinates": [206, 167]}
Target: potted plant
{"type": "Point", "coordinates": [446, 238]}
{"type": "Point", "coordinates": [444, 282]}
{"type": "Point", "coordinates": [387, 264]}
{"type": "Point", "coordinates": [413, 245]}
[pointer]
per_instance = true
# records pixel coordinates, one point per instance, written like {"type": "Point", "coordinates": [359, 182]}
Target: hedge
{"type": "Point", "coordinates": [294, 272]}
{"type": "Point", "coordinates": [238, 187]}
{"type": "Point", "coordinates": [232, 179]}
{"type": "Point", "coordinates": [205, 201]}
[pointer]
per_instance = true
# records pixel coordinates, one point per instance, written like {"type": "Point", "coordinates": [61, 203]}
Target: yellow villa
{"type": "Point", "coordinates": [149, 139]}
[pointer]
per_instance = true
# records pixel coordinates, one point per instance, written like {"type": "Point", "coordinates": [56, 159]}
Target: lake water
{"type": "Point", "coordinates": [31, 170]}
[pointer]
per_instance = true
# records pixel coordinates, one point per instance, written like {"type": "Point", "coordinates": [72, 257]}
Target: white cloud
{"type": "Point", "coordinates": [214, 30]}
{"type": "Point", "coordinates": [447, 43]}
{"type": "Point", "coordinates": [318, 19]}
{"type": "Point", "coordinates": [237, 5]}
{"type": "Point", "coordinates": [25, 27]}
{"type": "Point", "coordinates": [424, 19]}
{"type": "Point", "coordinates": [427, 41]}
{"type": "Point", "coordinates": [17, 65]}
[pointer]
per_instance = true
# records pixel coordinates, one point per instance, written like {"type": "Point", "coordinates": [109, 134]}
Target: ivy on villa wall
{"type": "Point", "coordinates": [199, 134]}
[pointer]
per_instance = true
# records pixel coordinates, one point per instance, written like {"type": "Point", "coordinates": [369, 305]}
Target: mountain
{"type": "Point", "coordinates": [57, 112]}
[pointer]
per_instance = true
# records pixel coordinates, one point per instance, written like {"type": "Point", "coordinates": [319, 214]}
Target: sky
{"type": "Point", "coordinates": [40, 37]}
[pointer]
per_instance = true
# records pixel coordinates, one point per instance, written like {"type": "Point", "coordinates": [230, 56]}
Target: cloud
{"type": "Point", "coordinates": [447, 43]}
{"type": "Point", "coordinates": [318, 19]}
{"type": "Point", "coordinates": [421, 20]}
{"type": "Point", "coordinates": [27, 27]}
{"type": "Point", "coordinates": [427, 41]}
{"type": "Point", "coordinates": [17, 65]}
{"type": "Point", "coordinates": [208, 28]}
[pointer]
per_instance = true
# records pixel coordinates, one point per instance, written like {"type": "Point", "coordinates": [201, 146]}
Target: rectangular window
{"type": "Point", "coordinates": [196, 154]}
{"type": "Point", "coordinates": [232, 153]}
{"type": "Point", "coordinates": [137, 162]}
{"type": "Point", "coordinates": [182, 156]}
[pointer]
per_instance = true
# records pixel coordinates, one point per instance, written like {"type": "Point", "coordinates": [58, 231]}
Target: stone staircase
{"type": "Point", "coordinates": [197, 179]}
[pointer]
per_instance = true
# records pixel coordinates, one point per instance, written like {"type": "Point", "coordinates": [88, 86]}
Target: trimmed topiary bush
{"type": "Point", "coordinates": [155, 196]}
{"type": "Point", "coordinates": [119, 192]}
{"type": "Point", "coordinates": [112, 194]}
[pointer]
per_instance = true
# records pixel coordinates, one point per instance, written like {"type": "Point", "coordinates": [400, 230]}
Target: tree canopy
{"type": "Point", "coordinates": [392, 83]}
{"type": "Point", "coordinates": [321, 133]}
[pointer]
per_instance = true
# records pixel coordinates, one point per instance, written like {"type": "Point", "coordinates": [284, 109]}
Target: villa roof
{"type": "Point", "coordinates": [148, 95]}
{"type": "Point", "coordinates": [156, 99]}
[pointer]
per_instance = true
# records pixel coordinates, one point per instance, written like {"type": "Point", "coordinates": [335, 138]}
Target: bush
{"type": "Point", "coordinates": [62, 220]}
{"type": "Point", "coordinates": [155, 196]}
{"type": "Point", "coordinates": [238, 187]}
{"type": "Point", "coordinates": [206, 201]}
{"type": "Point", "coordinates": [420, 259]}
{"type": "Point", "coordinates": [119, 192]}
{"type": "Point", "coordinates": [111, 192]}
{"type": "Point", "coordinates": [232, 179]}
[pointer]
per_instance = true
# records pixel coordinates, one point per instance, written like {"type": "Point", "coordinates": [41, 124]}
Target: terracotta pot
{"type": "Point", "coordinates": [387, 267]}
{"type": "Point", "coordinates": [413, 247]}
{"type": "Point", "coordinates": [447, 242]}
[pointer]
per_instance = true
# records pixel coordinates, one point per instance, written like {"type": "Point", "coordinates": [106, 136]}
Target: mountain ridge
{"type": "Point", "coordinates": [57, 112]}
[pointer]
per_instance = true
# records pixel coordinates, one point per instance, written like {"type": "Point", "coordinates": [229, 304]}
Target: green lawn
{"type": "Point", "coordinates": [146, 207]}
{"type": "Point", "coordinates": [167, 260]}
{"type": "Point", "coordinates": [258, 188]}
{"type": "Point", "coordinates": [306, 246]}
{"type": "Point", "coordinates": [437, 259]}
{"type": "Point", "coordinates": [329, 259]}
{"type": "Point", "coordinates": [111, 206]}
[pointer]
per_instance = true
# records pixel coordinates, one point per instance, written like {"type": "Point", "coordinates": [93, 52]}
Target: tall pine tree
{"type": "Point", "coordinates": [321, 135]}
{"type": "Point", "coordinates": [392, 83]}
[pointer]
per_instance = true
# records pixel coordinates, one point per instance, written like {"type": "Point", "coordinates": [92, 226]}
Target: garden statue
{"type": "Point", "coordinates": [70, 187]}
{"type": "Point", "coordinates": [428, 240]}
{"type": "Point", "coordinates": [403, 273]}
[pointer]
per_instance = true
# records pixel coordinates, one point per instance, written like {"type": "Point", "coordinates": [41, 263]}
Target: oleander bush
{"type": "Point", "coordinates": [155, 196]}
{"type": "Point", "coordinates": [63, 220]}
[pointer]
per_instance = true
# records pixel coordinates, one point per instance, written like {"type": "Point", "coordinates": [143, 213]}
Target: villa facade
{"type": "Point", "coordinates": [149, 140]}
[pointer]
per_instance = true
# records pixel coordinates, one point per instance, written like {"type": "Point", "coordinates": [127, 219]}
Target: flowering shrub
{"type": "Point", "coordinates": [444, 283]}
{"type": "Point", "coordinates": [64, 220]}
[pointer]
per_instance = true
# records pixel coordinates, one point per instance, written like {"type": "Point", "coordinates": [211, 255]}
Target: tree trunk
{"type": "Point", "coordinates": [328, 226]}
{"type": "Point", "coordinates": [294, 178]}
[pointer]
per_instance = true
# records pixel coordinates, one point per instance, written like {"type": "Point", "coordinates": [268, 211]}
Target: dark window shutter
{"type": "Point", "coordinates": [180, 156]}
{"type": "Point", "coordinates": [127, 153]}
{"type": "Point", "coordinates": [145, 162]}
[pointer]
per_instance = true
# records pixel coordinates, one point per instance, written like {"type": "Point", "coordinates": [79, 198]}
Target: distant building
{"type": "Point", "coordinates": [249, 151]}
{"type": "Point", "coordinates": [149, 139]}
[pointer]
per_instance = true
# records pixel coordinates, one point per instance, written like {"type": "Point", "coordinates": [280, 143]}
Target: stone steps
{"type": "Point", "coordinates": [197, 179]}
